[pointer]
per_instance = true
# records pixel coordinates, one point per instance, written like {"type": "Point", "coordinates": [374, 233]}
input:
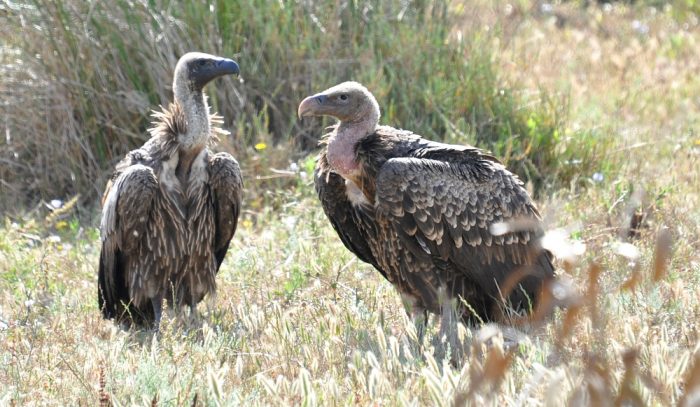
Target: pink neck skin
{"type": "Point", "coordinates": [341, 146]}
{"type": "Point", "coordinates": [341, 152]}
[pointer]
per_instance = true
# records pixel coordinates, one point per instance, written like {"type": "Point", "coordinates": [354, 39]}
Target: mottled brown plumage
{"type": "Point", "coordinates": [171, 207]}
{"type": "Point", "coordinates": [421, 212]}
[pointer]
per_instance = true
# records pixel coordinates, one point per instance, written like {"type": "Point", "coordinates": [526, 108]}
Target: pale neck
{"type": "Point", "coordinates": [196, 110]}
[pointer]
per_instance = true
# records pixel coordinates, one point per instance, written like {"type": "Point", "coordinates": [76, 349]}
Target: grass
{"type": "Point", "coordinates": [86, 75]}
{"type": "Point", "coordinates": [298, 320]}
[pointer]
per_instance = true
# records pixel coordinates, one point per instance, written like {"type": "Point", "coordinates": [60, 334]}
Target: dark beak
{"type": "Point", "coordinates": [228, 67]}
{"type": "Point", "coordinates": [219, 67]}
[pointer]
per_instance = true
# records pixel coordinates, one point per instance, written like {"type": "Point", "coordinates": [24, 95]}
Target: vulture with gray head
{"type": "Point", "coordinates": [432, 218]}
{"type": "Point", "coordinates": [171, 207]}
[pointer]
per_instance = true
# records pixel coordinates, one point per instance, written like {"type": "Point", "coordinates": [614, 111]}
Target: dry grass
{"type": "Point", "coordinates": [78, 80]}
{"type": "Point", "coordinates": [299, 321]}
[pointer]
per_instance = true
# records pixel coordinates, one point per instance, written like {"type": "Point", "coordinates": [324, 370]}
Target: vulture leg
{"type": "Point", "coordinates": [419, 316]}
{"type": "Point", "coordinates": [420, 320]}
{"type": "Point", "coordinates": [157, 303]}
{"type": "Point", "coordinates": [448, 336]}
{"type": "Point", "coordinates": [194, 315]}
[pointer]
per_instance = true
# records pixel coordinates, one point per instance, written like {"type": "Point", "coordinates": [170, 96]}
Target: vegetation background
{"type": "Point", "coordinates": [595, 105]}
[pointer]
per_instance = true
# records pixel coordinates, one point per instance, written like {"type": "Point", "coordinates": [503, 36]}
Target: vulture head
{"type": "Point", "coordinates": [358, 112]}
{"type": "Point", "coordinates": [192, 72]}
{"type": "Point", "coordinates": [349, 102]}
{"type": "Point", "coordinates": [195, 69]}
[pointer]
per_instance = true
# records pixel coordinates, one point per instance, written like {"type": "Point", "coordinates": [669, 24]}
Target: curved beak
{"type": "Point", "coordinates": [309, 106]}
{"type": "Point", "coordinates": [218, 67]}
{"type": "Point", "coordinates": [228, 67]}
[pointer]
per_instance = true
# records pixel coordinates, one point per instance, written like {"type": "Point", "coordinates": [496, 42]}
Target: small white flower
{"type": "Point", "coordinates": [28, 303]}
{"type": "Point", "coordinates": [640, 27]}
{"type": "Point", "coordinates": [56, 203]}
{"type": "Point", "coordinates": [54, 239]}
{"type": "Point", "coordinates": [290, 221]}
{"type": "Point", "coordinates": [598, 177]}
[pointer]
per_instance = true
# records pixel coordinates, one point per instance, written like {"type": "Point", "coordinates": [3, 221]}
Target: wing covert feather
{"type": "Point", "coordinates": [343, 216]}
{"type": "Point", "coordinates": [226, 188]}
{"type": "Point", "coordinates": [449, 205]}
{"type": "Point", "coordinates": [126, 211]}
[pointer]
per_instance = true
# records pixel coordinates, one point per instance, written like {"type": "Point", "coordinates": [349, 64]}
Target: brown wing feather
{"type": "Point", "coordinates": [127, 205]}
{"type": "Point", "coordinates": [442, 206]}
{"type": "Point", "coordinates": [226, 188]}
{"type": "Point", "coordinates": [354, 226]}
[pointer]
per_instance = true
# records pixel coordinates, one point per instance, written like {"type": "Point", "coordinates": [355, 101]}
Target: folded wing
{"type": "Point", "coordinates": [226, 188]}
{"type": "Point", "coordinates": [443, 203]}
{"type": "Point", "coordinates": [127, 210]}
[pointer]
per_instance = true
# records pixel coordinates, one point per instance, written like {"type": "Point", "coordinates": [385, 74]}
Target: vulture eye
{"type": "Point", "coordinates": [201, 63]}
{"type": "Point", "coordinates": [343, 97]}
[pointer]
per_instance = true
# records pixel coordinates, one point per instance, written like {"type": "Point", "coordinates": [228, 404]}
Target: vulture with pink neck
{"type": "Point", "coordinates": [423, 213]}
{"type": "Point", "coordinates": [171, 207]}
